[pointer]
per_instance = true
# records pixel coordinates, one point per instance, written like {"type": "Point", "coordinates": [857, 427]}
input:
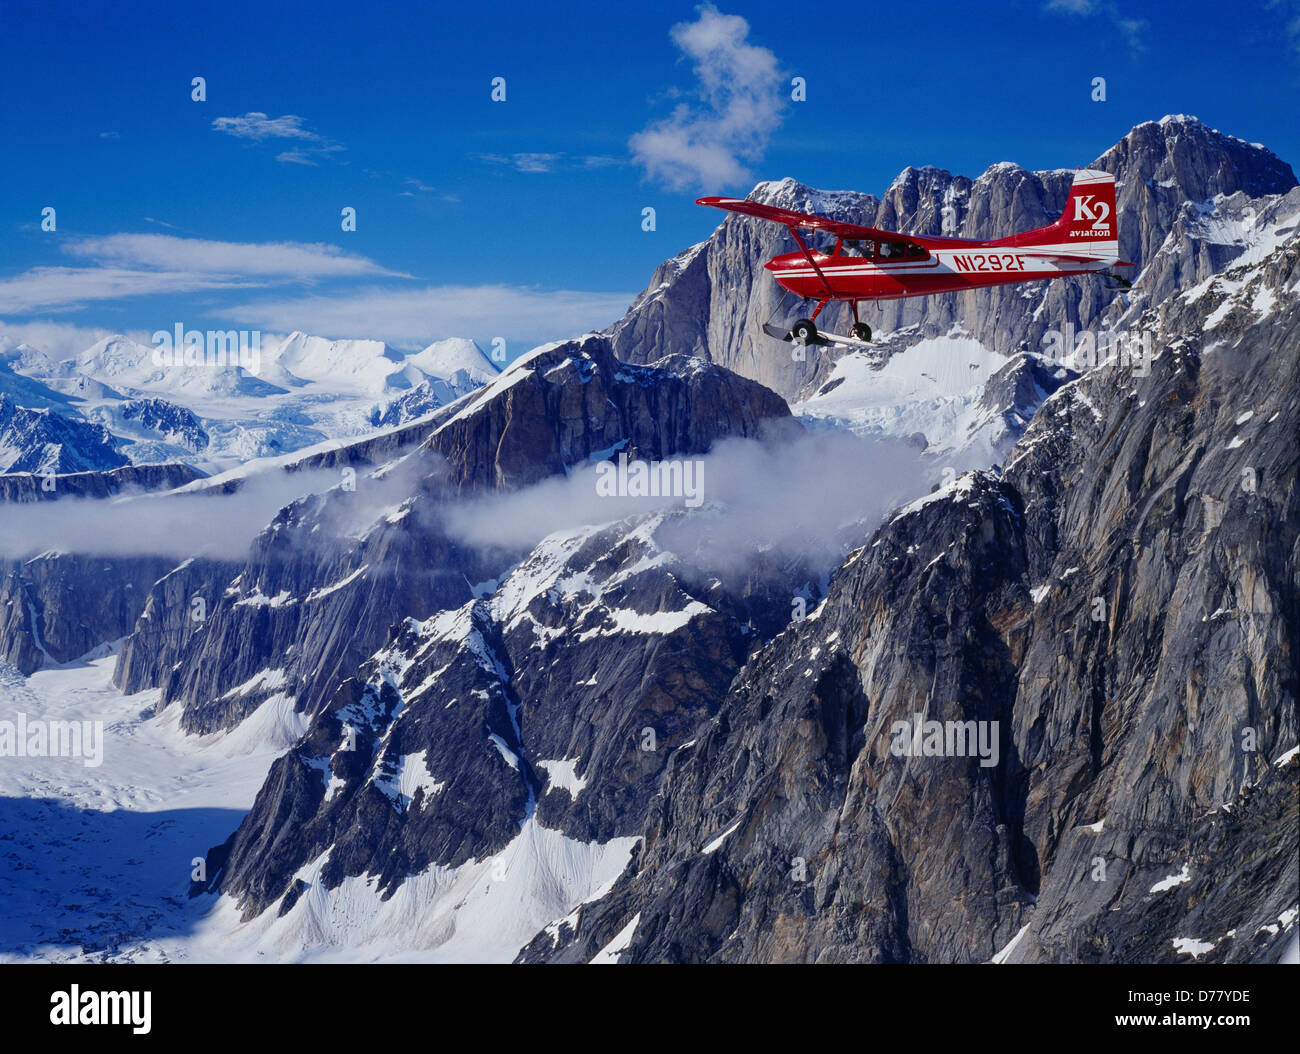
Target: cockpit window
{"type": "Point", "coordinates": [901, 251]}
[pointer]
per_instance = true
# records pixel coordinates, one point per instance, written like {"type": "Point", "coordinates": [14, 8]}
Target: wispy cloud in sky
{"type": "Point", "coordinates": [1132, 30]}
{"type": "Point", "coordinates": [131, 265]}
{"type": "Point", "coordinates": [258, 127]}
{"type": "Point", "coordinates": [294, 157]}
{"type": "Point", "coordinates": [290, 260]}
{"type": "Point", "coordinates": [549, 162]}
{"type": "Point", "coordinates": [740, 89]}
{"type": "Point", "coordinates": [1290, 12]}
{"type": "Point", "coordinates": [70, 288]}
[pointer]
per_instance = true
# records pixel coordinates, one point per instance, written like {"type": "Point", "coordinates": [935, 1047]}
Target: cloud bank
{"type": "Point", "coordinates": [809, 499]}
{"type": "Point", "coordinates": [180, 525]}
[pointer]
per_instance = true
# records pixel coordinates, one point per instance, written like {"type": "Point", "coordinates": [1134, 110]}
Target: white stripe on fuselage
{"type": "Point", "coordinates": [1036, 259]}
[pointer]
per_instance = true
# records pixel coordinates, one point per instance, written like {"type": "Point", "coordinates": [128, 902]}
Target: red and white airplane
{"type": "Point", "coordinates": [870, 264]}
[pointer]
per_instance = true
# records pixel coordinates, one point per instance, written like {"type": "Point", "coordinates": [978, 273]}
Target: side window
{"type": "Point", "coordinates": [915, 252]}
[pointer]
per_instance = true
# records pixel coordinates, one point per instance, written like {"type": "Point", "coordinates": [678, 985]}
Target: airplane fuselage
{"type": "Point", "coordinates": [949, 265]}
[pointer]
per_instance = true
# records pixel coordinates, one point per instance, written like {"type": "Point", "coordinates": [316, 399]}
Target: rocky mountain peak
{"type": "Point", "coordinates": [715, 303]}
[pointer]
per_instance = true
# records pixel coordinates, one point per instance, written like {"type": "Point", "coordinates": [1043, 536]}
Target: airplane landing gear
{"type": "Point", "coordinates": [804, 331]}
{"type": "Point", "coordinates": [862, 331]}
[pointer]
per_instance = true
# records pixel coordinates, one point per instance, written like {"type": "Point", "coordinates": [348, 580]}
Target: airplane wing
{"type": "Point", "coordinates": [789, 218]}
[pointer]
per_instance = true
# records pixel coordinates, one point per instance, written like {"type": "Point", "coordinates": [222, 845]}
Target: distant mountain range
{"type": "Point", "coordinates": [114, 405]}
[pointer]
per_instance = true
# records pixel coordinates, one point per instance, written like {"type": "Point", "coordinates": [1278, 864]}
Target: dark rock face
{"type": "Point", "coordinates": [1018, 389]}
{"type": "Point", "coordinates": [712, 299]}
{"type": "Point", "coordinates": [49, 442]}
{"type": "Point", "coordinates": [55, 607]}
{"type": "Point", "coordinates": [1121, 601]}
{"type": "Point", "coordinates": [565, 404]}
{"type": "Point", "coordinates": [106, 484]}
{"type": "Point", "coordinates": [787, 832]}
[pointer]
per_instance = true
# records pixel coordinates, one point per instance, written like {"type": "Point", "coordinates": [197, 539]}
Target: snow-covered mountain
{"type": "Point", "coordinates": [46, 441]}
{"type": "Point", "coordinates": [292, 393]}
{"type": "Point", "coordinates": [590, 744]}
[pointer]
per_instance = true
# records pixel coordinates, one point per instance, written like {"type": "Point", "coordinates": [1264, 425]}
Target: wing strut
{"type": "Point", "coordinates": [825, 284]}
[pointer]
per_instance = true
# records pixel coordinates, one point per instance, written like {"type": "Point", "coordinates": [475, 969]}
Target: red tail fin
{"type": "Point", "coordinates": [1088, 219]}
{"type": "Point", "coordinates": [1090, 209]}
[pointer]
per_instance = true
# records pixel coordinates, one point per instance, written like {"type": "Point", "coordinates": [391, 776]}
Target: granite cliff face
{"type": "Point", "coordinates": [1121, 601]}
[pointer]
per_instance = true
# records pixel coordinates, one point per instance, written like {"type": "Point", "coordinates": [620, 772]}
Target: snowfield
{"type": "Point", "coordinates": [932, 388]}
{"type": "Point", "coordinates": [97, 861]}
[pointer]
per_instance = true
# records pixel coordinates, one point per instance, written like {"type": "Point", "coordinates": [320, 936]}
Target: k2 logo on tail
{"type": "Point", "coordinates": [1098, 213]}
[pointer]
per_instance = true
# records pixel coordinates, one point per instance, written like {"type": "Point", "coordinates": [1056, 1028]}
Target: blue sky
{"type": "Point", "coordinates": [523, 218]}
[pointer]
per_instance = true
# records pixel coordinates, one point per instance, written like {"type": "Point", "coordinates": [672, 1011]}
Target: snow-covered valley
{"type": "Point", "coordinates": [98, 860]}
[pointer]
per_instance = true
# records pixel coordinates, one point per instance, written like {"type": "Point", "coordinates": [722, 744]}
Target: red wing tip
{"type": "Point", "coordinates": [1123, 263]}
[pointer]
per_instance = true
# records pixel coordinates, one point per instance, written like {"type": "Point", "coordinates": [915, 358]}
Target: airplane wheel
{"type": "Point", "coordinates": [804, 331]}
{"type": "Point", "coordinates": [862, 331]}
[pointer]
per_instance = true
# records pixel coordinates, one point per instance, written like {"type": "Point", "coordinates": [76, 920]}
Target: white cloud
{"type": "Point", "coordinates": [740, 88]}
{"type": "Point", "coordinates": [127, 265]}
{"type": "Point", "coordinates": [412, 317]}
{"type": "Point", "coordinates": [759, 497]}
{"type": "Point", "coordinates": [552, 162]}
{"type": "Point", "coordinates": [220, 526]}
{"type": "Point", "coordinates": [69, 288]}
{"type": "Point", "coordinates": [259, 126]}
{"type": "Point", "coordinates": [535, 162]}
{"type": "Point", "coordinates": [294, 157]}
{"type": "Point", "coordinates": [286, 260]}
